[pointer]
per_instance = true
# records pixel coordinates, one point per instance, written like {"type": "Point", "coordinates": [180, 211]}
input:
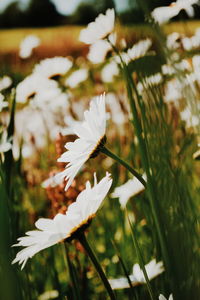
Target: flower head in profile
{"type": "Point", "coordinates": [127, 190]}
{"type": "Point", "coordinates": [27, 45]}
{"type": "Point", "coordinates": [53, 67]}
{"type": "Point", "coordinates": [91, 136]}
{"type": "Point", "coordinates": [153, 269]}
{"type": "Point", "coordinates": [64, 226]}
{"type": "Point", "coordinates": [99, 29]}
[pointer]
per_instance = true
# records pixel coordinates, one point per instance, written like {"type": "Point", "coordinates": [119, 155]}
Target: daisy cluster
{"type": "Point", "coordinates": [52, 102]}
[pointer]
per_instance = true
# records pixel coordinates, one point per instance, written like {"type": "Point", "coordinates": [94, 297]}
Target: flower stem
{"type": "Point", "coordinates": [141, 260]}
{"type": "Point", "coordinates": [86, 246]}
{"type": "Point", "coordinates": [123, 163]}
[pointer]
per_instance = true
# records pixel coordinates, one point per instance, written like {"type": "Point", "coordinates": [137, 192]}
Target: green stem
{"type": "Point", "coordinates": [86, 246]}
{"type": "Point", "coordinates": [123, 163]}
{"type": "Point", "coordinates": [75, 285]}
{"type": "Point", "coordinates": [145, 161]}
{"type": "Point", "coordinates": [141, 261]}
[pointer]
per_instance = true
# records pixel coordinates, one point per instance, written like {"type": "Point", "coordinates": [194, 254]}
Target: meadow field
{"type": "Point", "coordinates": [115, 119]}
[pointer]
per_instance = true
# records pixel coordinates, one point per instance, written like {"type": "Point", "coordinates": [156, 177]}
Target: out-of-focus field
{"type": "Point", "coordinates": [64, 39]}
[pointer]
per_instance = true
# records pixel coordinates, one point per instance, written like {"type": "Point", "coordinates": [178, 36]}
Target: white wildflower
{"type": "Point", "coordinates": [27, 45]}
{"type": "Point", "coordinates": [63, 226]}
{"type": "Point", "coordinates": [76, 78]}
{"type": "Point", "coordinates": [52, 67]}
{"type": "Point", "coordinates": [5, 82]}
{"type": "Point", "coordinates": [153, 269]}
{"type": "Point", "coordinates": [99, 29]}
{"type": "Point", "coordinates": [127, 190]}
{"type": "Point", "coordinates": [91, 134]}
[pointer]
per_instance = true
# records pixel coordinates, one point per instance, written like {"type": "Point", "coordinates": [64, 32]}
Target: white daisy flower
{"type": "Point", "coordinates": [165, 13]}
{"type": "Point", "coordinates": [76, 78]}
{"type": "Point", "coordinates": [3, 103]}
{"type": "Point", "coordinates": [52, 67]}
{"type": "Point", "coordinates": [31, 85]}
{"type": "Point", "coordinates": [109, 72]}
{"type": "Point", "coordinates": [5, 82]}
{"type": "Point", "coordinates": [99, 29]}
{"type": "Point", "coordinates": [27, 45]}
{"type": "Point", "coordinates": [153, 269]}
{"type": "Point", "coordinates": [100, 48]}
{"type": "Point", "coordinates": [127, 190]}
{"type": "Point", "coordinates": [161, 297]}
{"type": "Point", "coordinates": [91, 135]}
{"type": "Point", "coordinates": [137, 51]}
{"type": "Point", "coordinates": [64, 226]}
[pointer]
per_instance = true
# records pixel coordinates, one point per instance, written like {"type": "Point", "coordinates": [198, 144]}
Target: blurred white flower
{"type": "Point", "coordinates": [172, 40]}
{"type": "Point", "coordinates": [27, 45]}
{"type": "Point", "coordinates": [5, 144]}
{"type": "Point", "coordinates": [99, 29]}
{"type": "Point", "coordinates": [117, 115]}
{"type": "Point", "coordinates": [190, 43]}
{"type": "Point", "coordinates": [165, 13]}
{"type": "Point", "coordinates": [52, 231]}
{"type": "Point", "coordinates": [153, 269]}
{"type": "Point", "coordinates": [190, 119]}
{"type": "Point", "coordinates": [76, 78]}
{"type": "Point", "coordinates": [32, 127]}
{"type": "Point", "coordinates": [170, 69]}
{"type": "Point", "coordinates": [152, 80]}
{"type": "Point", "coordinates": [49, 182]}
{"type": "Point", "coordinates": [49, 295]}
{"type": "Point", "coordinates": [91, 134]}
{"type": "Point", "coordinates": [51, 99]}
{"type": "Point", "coordinates": [3, 103]}
{"type": "Point", "coordinates": [31, 85]}
{"type": "Point", "coordinates": [127, 190]}
{"type": "Point", "coordinates": [5, 82]}
{"type": "Point", "coordinates": [52, 67]}
{"type": "Point", "coordinates": [173, 91]}
{"type": "Point", "coordinates": [138, 50]}
{"type": "Point", "coordinates": [161, 297]}
{"type": "Point", "coordinates": [99, 50]}
{"type": "Point", "coordinates": [109, 71]}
